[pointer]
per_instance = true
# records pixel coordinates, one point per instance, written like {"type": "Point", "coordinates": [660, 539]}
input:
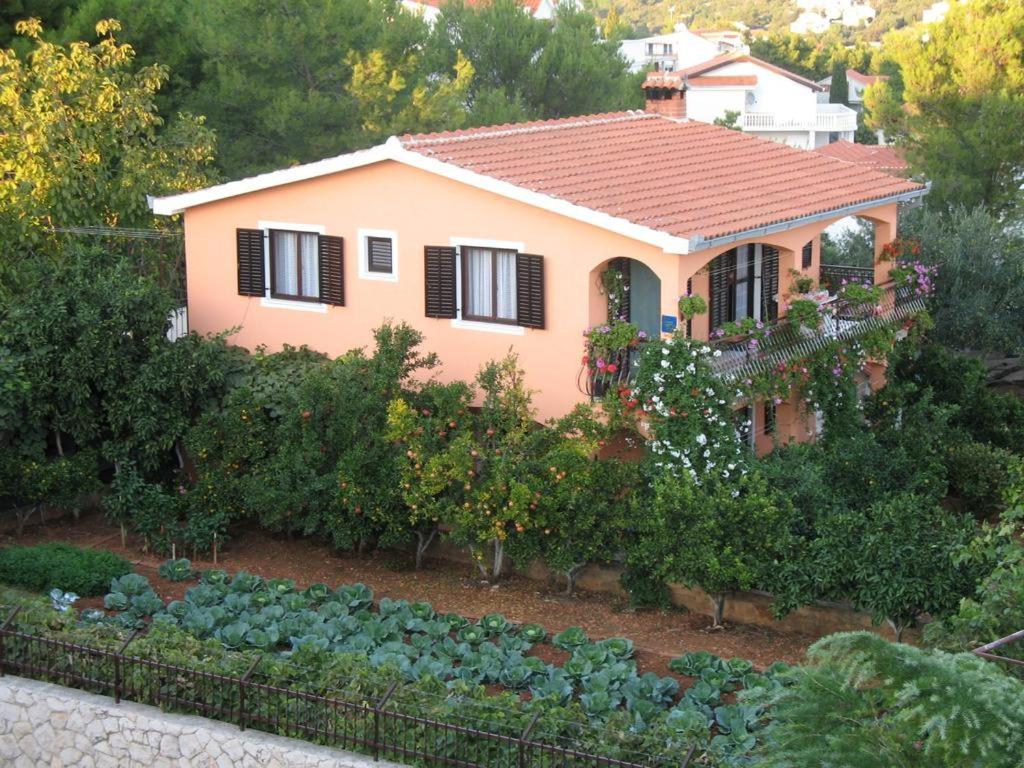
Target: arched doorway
{"type": "Point", "coordinates": [640, 301]}
{"type": "Point", "coordinates": [622, 290]}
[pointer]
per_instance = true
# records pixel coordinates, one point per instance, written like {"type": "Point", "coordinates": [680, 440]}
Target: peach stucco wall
{"type": "Point", "coordinates": [425, 209]}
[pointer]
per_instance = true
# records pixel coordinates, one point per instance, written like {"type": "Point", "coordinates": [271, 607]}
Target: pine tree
{"type": "Point", "coordinates": [864, 702]}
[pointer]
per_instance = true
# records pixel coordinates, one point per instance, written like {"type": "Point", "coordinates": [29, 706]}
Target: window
{"type": "Point", "coordinates": [489, 285]}
{"type": "Point", "coordinates": [294, 265]}
{"type": "Point", "coordinates": [769, 417]}
{"type": "Point", "coordinates": [379, 255]}
{"type": "Point", "coordinates": [807, 255]}
{"type": "Point", "coordinates": [743, 282]}
{"type": "Point", "coordinates": [291, 266]}
{"type": "Point", "coordinates": [743, 423]}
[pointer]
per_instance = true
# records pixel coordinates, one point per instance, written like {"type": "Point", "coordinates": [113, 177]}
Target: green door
{"type": "Point", "coordinates": [644, 299]}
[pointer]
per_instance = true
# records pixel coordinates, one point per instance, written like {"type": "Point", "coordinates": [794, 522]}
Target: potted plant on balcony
{"type": "Point", "coordinates": [691, 305]}
{"type": "Point", "coordinates": [914, 277]}
{"type": "Point", "coordinates": [805, 315]}
{"type": "Point", "coordinates": [608, 346]}
{"type": "Point", "coordinates": [859, 300]}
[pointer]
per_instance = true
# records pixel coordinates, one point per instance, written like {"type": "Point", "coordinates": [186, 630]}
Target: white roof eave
{"type": "Point", "coordinates": [393, 150]}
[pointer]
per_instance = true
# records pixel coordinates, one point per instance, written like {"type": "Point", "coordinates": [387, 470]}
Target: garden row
{"type": "Point", "coordinates": [858, 695]}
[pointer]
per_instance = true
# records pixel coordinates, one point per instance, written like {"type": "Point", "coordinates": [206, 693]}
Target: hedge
{"type": "Point", "coordinates": [86, 572]}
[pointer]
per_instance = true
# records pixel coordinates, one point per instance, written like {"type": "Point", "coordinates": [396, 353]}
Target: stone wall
{"type": "Point", "coordinates": [47, 725]}
{"type": "Point", "coordinates": [754, 608]}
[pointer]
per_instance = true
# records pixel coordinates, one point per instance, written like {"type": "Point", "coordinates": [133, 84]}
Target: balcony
{"type": "Point", "coordinates": [740, 359]}
{"type": "Point", "coordinates": [830, 118]}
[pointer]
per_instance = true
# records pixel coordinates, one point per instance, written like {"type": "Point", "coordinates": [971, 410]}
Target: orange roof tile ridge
{"type": "Point", "coordinates": [561, 124]}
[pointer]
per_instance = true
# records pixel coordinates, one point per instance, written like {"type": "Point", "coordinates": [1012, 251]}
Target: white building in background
{"type": "Point", "coordinates": [810, 23]}
{"type": "Point", "coordinates": [429, 9]}
{"type": "Point", "coordinates": [935, 13]}
{"type": "Point", "coordinates": [767, 101]}
{"type": "Point", "coordinates": [818, 15]}
{"type": "Point", "coordinates": [679, 48]}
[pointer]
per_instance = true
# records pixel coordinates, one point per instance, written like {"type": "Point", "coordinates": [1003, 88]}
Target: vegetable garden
{"type": "Point", "coordinates": [598, 679]}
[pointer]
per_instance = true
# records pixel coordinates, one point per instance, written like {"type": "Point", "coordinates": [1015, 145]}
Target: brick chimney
{"type": "Point", "coordinates": [665, 94]}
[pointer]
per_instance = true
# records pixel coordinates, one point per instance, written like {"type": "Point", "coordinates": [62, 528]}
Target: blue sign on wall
{"type": "Point", "coordinates": [668, 323]}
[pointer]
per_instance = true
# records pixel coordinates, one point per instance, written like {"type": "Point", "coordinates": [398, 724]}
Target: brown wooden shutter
{"type": "Point", "coordinates": [439, 281]}
{"type": "Point", "coordinates": [530, 290]}
{"type": "Point", "coordinates": [331, 251]}
{"type": "Point", "coordinates": [249, 247]}
{"type": "Point", "coordinates": [721, 269]}
{"type": "Point", "coordinates": [379, 255]}
{"type": "Point", "coordinates": [689, 320]}
{"type": "Point", "coordinates": [769, 282]}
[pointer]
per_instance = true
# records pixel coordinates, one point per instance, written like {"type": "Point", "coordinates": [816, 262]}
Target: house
{"type": "Point", "coordinates": [430, 9]}
{"type": "Point", "coordinates": [858, 83]}
{"type": "Point", "coordinates": [810, 23]}
{"type": "Point", "coordinates": [818, 15]}
{"type": "Point", "coordinates": [678, 49]}
{"type": "Point", "coordinates": [727, 40]}
{"type": "Point", "coordinates": [768, 100]}
{"type": "Point", "coordinates": [495, 238]}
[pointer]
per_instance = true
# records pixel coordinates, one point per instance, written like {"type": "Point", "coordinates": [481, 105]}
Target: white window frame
{"type": "Point", "coordinates": [267, 300]}
{"type": "Point", "coordinates": [364, 255]}
{"type": "Point", "coordinates": [475, 325]}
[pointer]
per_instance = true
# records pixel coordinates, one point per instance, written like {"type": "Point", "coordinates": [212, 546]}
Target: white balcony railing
{"type": "Point", "coordinates": [827, 117]}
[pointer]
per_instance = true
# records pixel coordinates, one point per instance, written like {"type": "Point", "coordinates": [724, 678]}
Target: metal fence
{"type": "Point", "coordinates": [341, 719]}
{"type": "Point", "coordinates": [832, 276]}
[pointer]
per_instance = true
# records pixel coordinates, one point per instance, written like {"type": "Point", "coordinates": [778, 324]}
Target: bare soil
{"type": "Point", "coordinates": [658, 636]}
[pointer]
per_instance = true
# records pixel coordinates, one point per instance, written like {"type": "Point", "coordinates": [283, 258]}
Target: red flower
{"type": "Point", "coordinates": [611, 368]}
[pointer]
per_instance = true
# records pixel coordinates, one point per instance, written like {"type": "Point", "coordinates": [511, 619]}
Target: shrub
{"type": "Point", "coordinates": [85, 572]}
{"type": "Point", "coordinates": [987, 416]}
{"type": "Point", "coordinates": [978, 475]}
{"type": "Point", "coordinates": [644, 589]}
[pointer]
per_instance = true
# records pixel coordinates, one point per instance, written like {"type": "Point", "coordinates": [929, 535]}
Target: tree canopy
{"type": "Point", "coordinates": [81, 141]}
{"type": "Point", "coordinates": [958, 104]}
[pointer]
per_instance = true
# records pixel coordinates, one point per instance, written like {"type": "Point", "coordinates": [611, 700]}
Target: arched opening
{"type": "Point", "coordinates": [626, 290]}
{"type": "Point", "coordinates": [848, 251]}
{"type": "Point", "coordinates": [739, 284]}
{"type": "Point", "coordinates": [625, 310]}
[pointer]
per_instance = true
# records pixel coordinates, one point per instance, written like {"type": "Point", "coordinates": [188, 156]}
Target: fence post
{"type": "Point", "coordinates": [242, 682]}
{"type": "Point", "coordinates": [3, 634]}
{"type": "Point", "coordinates": [118, 664]}
{"type": "Point", "coordinates": [376, 718]}
{"type": "Point", "coordinates": [524, 736]}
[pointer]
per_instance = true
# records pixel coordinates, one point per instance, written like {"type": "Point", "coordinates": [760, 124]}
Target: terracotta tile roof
{"type": "Point", "coordinates": [718, 81]}
{"type": "Point", "coordinates": [885, 159]}
{"type": "Point", "coordinates": [687, 179]}
{"type": "Point", "coordinates": [853, 74]}
{"type": "Point", "coordinates": [733, 58]}
{"type": "Point", "coordinates": [663, 80]}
